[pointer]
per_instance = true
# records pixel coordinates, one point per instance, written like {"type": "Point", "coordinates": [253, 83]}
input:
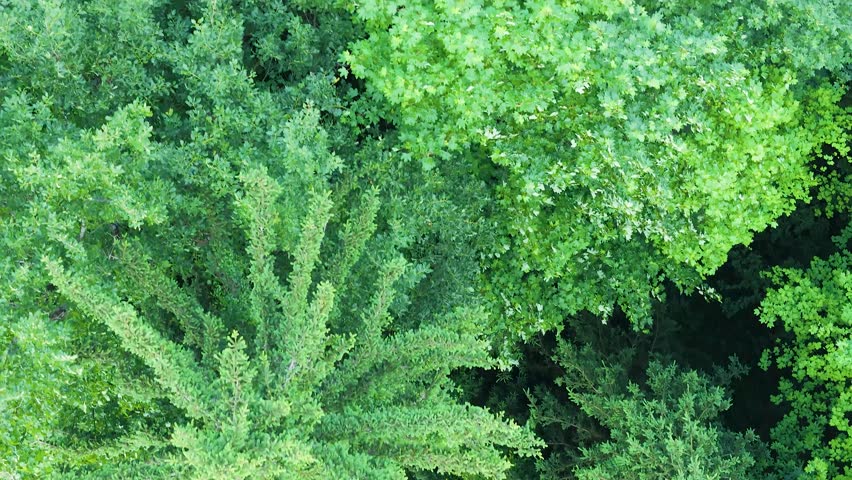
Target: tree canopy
{"type": "Point", "coordinates": [421, 240]}
{"type": "Point", "coordinates": [636, 142]}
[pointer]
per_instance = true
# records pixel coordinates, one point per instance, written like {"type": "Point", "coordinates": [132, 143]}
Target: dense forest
{"type": "Point", "coordinates": [450, 239]}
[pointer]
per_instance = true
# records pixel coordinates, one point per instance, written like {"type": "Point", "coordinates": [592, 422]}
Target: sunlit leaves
{"type": "Point", "coordinates": [639, 143]}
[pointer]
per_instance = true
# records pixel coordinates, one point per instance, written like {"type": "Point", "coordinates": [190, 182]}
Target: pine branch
{"type": "Point", "coordinates": [235, 383]}
{"type": "Point", "coordinates": [173, 366]}
{"type": "Point", "coordinates": [368, 338]}
{"type": "Point", "coordinates": [307, 254]}
{"type": "Point", "coordinates": [258, 208]}
{"type": "Point", "coordinates": [452, 438]}
{"type": "Point", "coordinates": [201, 329]}
{"type": "Point", "coordinates": [410, 365]}
{"type": "Point", "coordinates": [377, 317]}
{"type": "Point", "coordinates": [344, 462]}
{"type": "Point", "coordinates": [310, 364]}
{"type": "Point", "coordinates": [355, 233]}
{"type": "Point", "coordinates": [304, 325]}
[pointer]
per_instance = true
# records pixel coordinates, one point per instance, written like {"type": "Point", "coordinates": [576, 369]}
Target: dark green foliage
{"type": "Point", "coordinates": [612, 404]}
{"type": "Point", "coordinates": [670, 429]}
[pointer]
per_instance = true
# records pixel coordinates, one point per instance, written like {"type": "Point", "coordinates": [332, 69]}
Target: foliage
{"type": "Point", "coordinates": [266, 239]}
{"type": "Point", "coordinates": [611, 403]}
{"type": "Point", "coordinates": [306, 403]}
{"type": "Point", "coordinates": [636, 141]}
{"type": "Point", "coordinates": [35, 372]}
{"type": "Point", "coordinates": [162, 220]}
{"type": "Point", "coordinates": [667, 428]}
{"type": "Point", "coordinates": [813, 306]}
{"type": "Point", "coordinates": [808, 305]}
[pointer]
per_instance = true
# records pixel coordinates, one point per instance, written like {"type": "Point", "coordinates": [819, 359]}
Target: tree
{"type": "Point", "coordinates": [667, 426]}
{"type": "Point", "coordinates": [247, 326]}
{"type": "Point", "coordinates": [632, 141]}
{"type": "Point", "coordinates": [813, 307]}
{"type": "Point", "coordinates": [301, 402]}
{"type": "Point", "coordinates": [809, 307]}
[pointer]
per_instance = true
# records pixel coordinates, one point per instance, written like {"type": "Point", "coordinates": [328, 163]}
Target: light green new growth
{"type": "Point", "coordinates": [633, 141]}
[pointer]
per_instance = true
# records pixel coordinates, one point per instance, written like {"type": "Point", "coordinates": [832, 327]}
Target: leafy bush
{"type": "Point", "coordinates": [814, 307]}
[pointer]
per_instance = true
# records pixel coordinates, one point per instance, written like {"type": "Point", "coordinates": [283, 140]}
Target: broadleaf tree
{"type": "Point", "coordinates": [815, 307]}
{"type": "Point", "coordinates": [634, 142]}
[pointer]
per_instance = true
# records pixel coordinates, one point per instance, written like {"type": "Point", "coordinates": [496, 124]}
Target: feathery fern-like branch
{"type": "Point", "coordinates": [173, 366]}
{"type": "Point", "coordinates": [201, 329]}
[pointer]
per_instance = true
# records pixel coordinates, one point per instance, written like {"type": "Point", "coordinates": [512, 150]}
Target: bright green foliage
{"type": "Point", "coordinates": [835, 184]}
{"type": "Point", "coordinates": [815, 308]}
{"type": "Point", "coordinates": [634, 141]}
{"type": "Point", "coordinates": [35, 370]}
{"type": "Point", "coordinates": [668, 428]}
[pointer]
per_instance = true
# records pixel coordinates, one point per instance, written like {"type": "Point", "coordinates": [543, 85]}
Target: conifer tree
{"type": "Point", "coordinates": [178, 212]}
{"type": "Point", "coordinates": [299, 401]}
{"type": "Point", "coordinates": [666, 426]}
